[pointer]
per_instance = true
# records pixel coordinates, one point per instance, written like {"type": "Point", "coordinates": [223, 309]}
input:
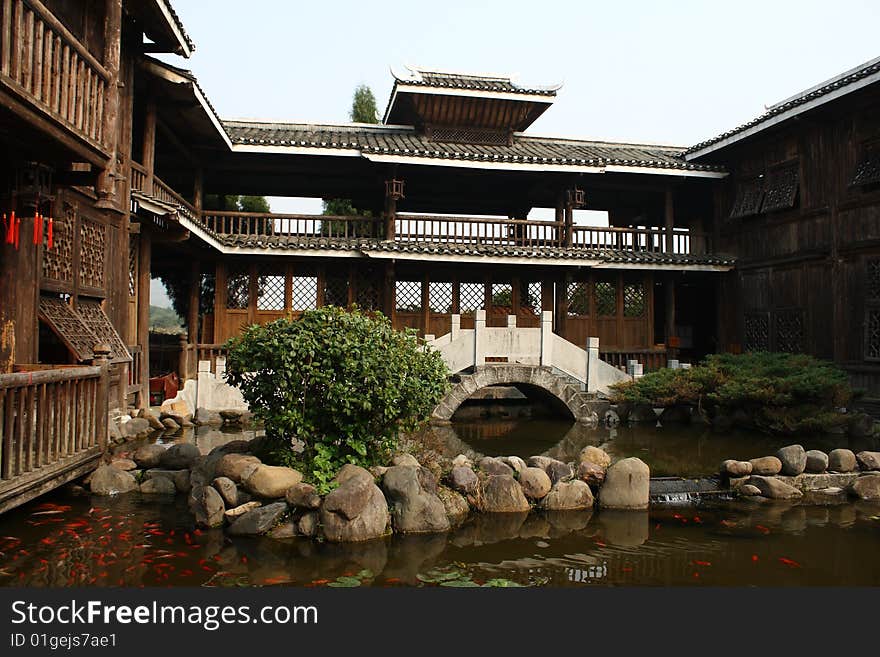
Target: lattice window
{"type": "Point", "coordinates": [58, 261]}
{"type": "Point", "coordinates": [502, 297]}
{"type": "Point", "coordinates": [304, 293]}
{"type": "Point", "coordinates": [872, 279]}
{"type": "Point", "coordinates": [757, 332]}
{"type": "Point", "coordinates": [336, 291]}
{"type": "Point", "coordinates": [606, 299]}
{"type": "Point", "coordinates": [458, 135]}
{"type": "Point", "coordinates": [634, 300]}
{"type": "Point", "coordinates": [368, 293]}
{"type": "Point", "coordinates": [270, 291]}
{"type": "Point", "coordinates": [530, 297]}
{"type": "Point", "coordinates": [578, 299]}
{"type": "Point", "coordinates": [68, 326]}
{"type": "Point", "coordinates": [868, 169]}
{"type": "Point", "coordinates": [781, 189]}
{"type": "Point", "coordinates": [132, 266]}
{"type": "Point", "coordinates": [92, 247]}
{"type": "Point", "coordinates": [872, 333]}
{"type": "Point", "coordinates": [99, 324]}
{"type": "Point", "coordinates": [408, 296]}
{"type": "Point", "coordinates": [749, 195]}
{"type": "Point", "coordinates": [238, 288]}
{"type": "Point", "coordinates": [471, 297]}
{"type": "Point", "coordinates": [789, 327]}
{"type": "Point", "coordinates": [440, 297]}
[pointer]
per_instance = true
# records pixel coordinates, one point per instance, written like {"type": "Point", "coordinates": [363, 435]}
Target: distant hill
{"type": "Point", "coordinates": [165, 320]}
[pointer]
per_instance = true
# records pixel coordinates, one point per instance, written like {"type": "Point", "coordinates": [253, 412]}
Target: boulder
{"type": "Point", "coordinates": [308, 524]}
{"type": "Point", "coordinates": [240, 510]}
{"type": "Point", "coordinates": [456, 506]}
{"type": "Point", "coordinates": [136, 427]}
{"type": "Point", "coordinates": [749, 490]}
{"type": "Point", "coordinates": [179, 478]}
{"type": "Point", "coordinates": [124, 464]}
{"type": "Point", "coordinates": [568, 496]}
{"type": "Point", "coordinates": [232, 447]}
{"type": "Point", "coordinates": [868, 460]}
{"type": "Point", "coordinates": [231, 416]}
{"type": "Point", "coordinates": [170, 424]}
{"type": "Point", "coordinates": [415, 508]}
{"type": "Point", "coordinates": [611, 419]}
{"type": "Point", "coordinates": [176, 406]}
{"type": "Point", "coordinates": [766, 466]}
{"type": "Point", "coordinates": [207, 506]}
{"type": "Point", "coordinates": [733, 468]}
{"type": "Point", "coordinates": [208, 418]}
{"type": "Point", "coordinates": [204, 469]}
{"type": "Point", "coordinates": [405, 459]}
{"type": "Point", "coordinates": [463, 479]}
{"type": "Point", "coordinates": [535, 483]}
{"type": "Point", "coordinates": [271, 481]}
{"type": "Point", "coordinates": [147, 456]}
{"type": "Point", "coordinates": [179, 456]}
{"type": "Point", "coordinates": [627, 485]}
{"type": "Point", "coordinates": [355, 511]}
{"type": "Point", "coordinates": [793, 459]}
{"type": "Point", "coordinates": [642, 413]}
{"type": "Point", "coordinates": [287, 529]}
{"type": "Point", "coordinates": [351, 471]}
{"type": "Point", "coordinates": [493, 466]}
{"type": "Point", "coordinates": [590, 454]}
{"type": "Point", "coordinates": [158, 486]}
{"type": "Point", "coordinates": [773, 488]}
{"type": "Point", "coordinates": [559, 471]}
{"type": "Point", "coordinates": [591, 473]}
{"type": "Point", "coordinates": [539, 462]}
{"type": "Point", "coordinates": [235, 465]}
{"type": "Point", "coordinates": [107, 480]}
{"type": "Point", "coordinates": [860, 425]}
{"type": "Point", "coordinates": [817, 461]}
{"type": "Point", "coordinates": [303, 496]}
{"type": "Point", "coordinates": [502, 494]}
{"type": "Point", "coordinates": [228, 491]}
{"type": "Point", "coordinates": [867, 487]}
{"type": "Point", "coordinates": [676, 414]}
{"type": "Point", "coordinates": [841, 460]}
{"type": "Point", "coordinates": [258, 521]}
{"type": "Point", "coordinates": [461, 461]}
{"type": "Point", "coordinates": [514, 462]}
{"type": "Point", "coordinates": [151, 419]}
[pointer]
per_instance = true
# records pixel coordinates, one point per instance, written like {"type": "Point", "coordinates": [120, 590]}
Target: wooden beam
{"type": "Point", "coordinates": [145, 245]}
{"type": "Point", "coordinates": [669, 219]}
{"type": "Point", "coordinates": [192, 322]}
{"type": "Point", "coordinates": [110, 129]}
{"type": "Point", "coordinates": [148, 154]}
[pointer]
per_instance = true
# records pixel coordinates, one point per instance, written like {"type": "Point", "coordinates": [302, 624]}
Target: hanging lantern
{"type": "Point", "coordinates": [32, 190]}
{"type": "Point", "coordinates": [394, 189]}
{"type": "Point", "coordinates": [577, 198]}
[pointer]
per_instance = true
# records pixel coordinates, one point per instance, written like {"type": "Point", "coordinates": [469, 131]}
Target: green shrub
{"type": "Point", "coordinates": [782, 393]}
{"type": "Point", "coordinates": [342, 382]}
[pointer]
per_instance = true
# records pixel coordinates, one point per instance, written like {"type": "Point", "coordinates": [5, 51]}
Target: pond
{"type": "Point", "coordinates": [67, 539]}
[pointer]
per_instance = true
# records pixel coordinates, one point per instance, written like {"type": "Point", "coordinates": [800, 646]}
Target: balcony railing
{"type": "Point", "coordinates": [152, 186]}
{"type": "Point", "coordinates": [295, 229]}
{"type": "Point", "coordinates": [47, 65]}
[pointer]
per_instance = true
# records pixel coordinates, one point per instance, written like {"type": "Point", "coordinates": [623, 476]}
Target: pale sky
{"type": "Point", "coordinates": [673, 72]}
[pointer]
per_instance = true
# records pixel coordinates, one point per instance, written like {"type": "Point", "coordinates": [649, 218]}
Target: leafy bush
{"type": "Point", "coordinates": [344, 383]}
{"type": "Point", "coordinates": [782, 393]}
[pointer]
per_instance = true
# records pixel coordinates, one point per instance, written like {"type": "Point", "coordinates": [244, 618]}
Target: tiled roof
{"type": "Point", "coordinates": [444, 80]}
{"type": "Point", "coordinates": [404, 141]}
{"type": "Point", "coordinates": [839, 82]}
{"type": "Point", "coordinates": [277, 242]}
{"type": "Point", "coordinates": [179, 24]}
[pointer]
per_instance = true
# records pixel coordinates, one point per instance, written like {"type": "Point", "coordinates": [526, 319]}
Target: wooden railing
{"type": "Point", "coordinates": [638, 239]}
{"type": "Point", "coordinates": [153, 186]}
{"type": "Point", "coordinates": [210, 353]}
{"type": "Point", "coordinates": [652, 359]}
{"type": "Point", "coordinates": [135, 371]}
{"type": "Point", "coordinates": [478, 230]}
{"type": "Point", "coordinates": [139, 178]}
{"type": "Point", "coordinates": [292, 226]}
{"type": "Point", "coordinates": [42, 61]}
{"type": "Point", "coordinates": [51, 421]}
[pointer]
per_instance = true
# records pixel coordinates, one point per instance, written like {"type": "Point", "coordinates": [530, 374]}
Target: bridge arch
{"type": "Point", "coordinates": [583, 406]}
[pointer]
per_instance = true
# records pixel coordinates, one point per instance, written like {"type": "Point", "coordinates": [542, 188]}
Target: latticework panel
{"type": "Point", "coordinates": [99, 324]}
{"type": "Point", "coordinates": [68, 326]}
{"type": "Point", "coordinates": [92, 247]}
{"type": "Point", "coordinates": [336, 291]}
{"type": "Point", "coordinates": [304, 293]}
{"type": "Point", "coordinates": [872, 333]}
{"type": "Point", "coordinates": [757, 332]}
{"type": "Point", "coordinates": [132, 266]}
{"type": "Point", "coordinates": [749, 195]}
{"type": "Point", "coordinates": [58, 261]}
{"type": "Point", "coordinates": [634, 300]}
{"type": "Point", "coordinates": [502, 297]}
{"type": "Point", "coordinates": [408, 296]}
{"type": "Point", "coordinates": [459, 135]}
{"type": "Point", "coordinates": [440, 297]}
{"type": "Point", "coordinates": [530, 297]}
{"type": "Point", "coordinates": [789, 327]}
{"type": "Point", "coordinates": [606, 299]}
{"type": "Point", "coordinates": [868, 170]}
{"type": "Point", "coordinates": [781, 189]}
{"type": "Point", "coordinates": [368, 295]}
{"type": "Point", "coordinates": [872, 278]}
{"type": "Point", "coordinates": [471, 297]}
{"type": "Point", "coordinates": [270, 290]}
{"type": "Point", "coordinates": [238, 288]}
{"type": "Point", "coordinates": [578, 299]}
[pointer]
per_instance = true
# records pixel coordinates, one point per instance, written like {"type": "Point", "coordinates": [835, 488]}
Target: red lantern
{"type": "Point", "coordinates": [50, 241]}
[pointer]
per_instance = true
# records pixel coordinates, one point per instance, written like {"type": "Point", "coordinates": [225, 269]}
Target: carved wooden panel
{"type": "Point", "coordinates": [238, 287]}
{"type": "Point", "coordinates": [757, 331]}
{"type": "Point", "coordinates": [634, 300]}
{"type": "Point", "coordinates": [336, 291]}
{"type": "Point", "coordinates": [606, 299]}
{"type": "Point", "coordinates": [872, 279]}
{"type": "Point", "coordinates": [789, 328]}
{"type": "Point", "coordinates": [58, 261]}
{"type": "Point", "coordinates": [68, 326]}
{"type": "Point", "coordinates": [749, 195]}
{"type": "Point", "coordinates": [92, 250]}
{"type": "Point", "coordinates": [872, 333]}
{"type": "Point", "coordinates": [459, 135]}
{"type": "Point", "coordinates": [780, 190]}
{"type": "Point", "coordinates": [132, 266]}
{"type": "Point", "coordinates": [578, 298]}
{"type": "Point", "coordinates": [99, 324]}
{"type": "Point", "coordinates": [868, 169]}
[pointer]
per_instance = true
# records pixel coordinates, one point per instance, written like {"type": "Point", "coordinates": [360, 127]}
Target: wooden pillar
{"type": "Point", "coordinates": [112, 39]}
{"type": "Point", "coordinates": [388, 291]}
{"type": "Point", "coordinates": [569, 223]}
{"type": "Point", "coordinates": [192, 320]}
{"type": "Point", "coordinates": [671, 338]}
{"type": "Point", "coordinates": [145, 244]}
{"type": "Point", "coordinates": [198, 189]}
{"type": "Point", "coordinates": [426, 304]}
{"type": "Point", "coordinates": [19, 299]}
{"type": "Point", "coordinates": [220, 300]}
{"type": "Point", "coordinates": [669, 220]}
{"type": "Point", "coordinates": [561, 310]}
{"type": "Point", "coordinates": [148, 155]}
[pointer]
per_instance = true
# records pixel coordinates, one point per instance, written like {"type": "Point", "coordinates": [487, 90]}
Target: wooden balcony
{"type": "Point", "coordinates": [147, 186]}
{"type": "Point", "coordinates": [47, 71]}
